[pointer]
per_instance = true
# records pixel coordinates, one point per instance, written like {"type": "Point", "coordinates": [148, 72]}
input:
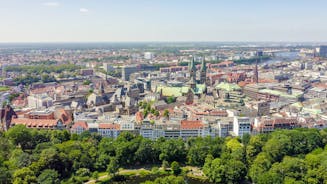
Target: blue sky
{"type": "Point", "coordinates": [162, 20]}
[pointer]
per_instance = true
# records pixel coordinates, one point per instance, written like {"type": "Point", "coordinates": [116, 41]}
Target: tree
{"type": "Point", "coordinates": [278, 146]}
{"type": "Point", "coordinates": [24, 176]}
{"type": "Point", "coordinates": [170, 99]}
{"type": "Point", "coordinates": [260, 165]}
{"type": "Point", "coordinates": [166, 113]}
{"type": "Point", "coordinates": [95, 175]}
{"type": "Point", "coordinates": [173, 150]}
{"type": "Point", "coordinates": [175, 167]}
{"type": "Point", "coordinates": [156, 113]}
{"type": "Point", "coordinates": [113, 166]}
{"type": "Point", "coordinates": [167, 180]}
{"type": "Point", "coordinates": [48, 176]}
{"type": "Point", "coordinates": [20, 135]}
{"type": "Point", "coordinates": [5, 176]}
{"type": "Point", "coordinates": [165, 165]}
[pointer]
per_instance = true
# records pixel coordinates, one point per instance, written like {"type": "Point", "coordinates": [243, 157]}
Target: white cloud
{"type": "Point", "coordinates": [83, 10]}
{"type": "Point", "coordinates": [51, 4]}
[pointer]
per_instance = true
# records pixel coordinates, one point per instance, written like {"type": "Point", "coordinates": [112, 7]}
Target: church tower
{"type": "Point", "coordinates": [256, 72]}
{"type": "Point", "coordinates": [203, 72]}
{"type": "Point", "coordinates": [192, 69]}
{"type": "Point", "coordinates": [101, 89]}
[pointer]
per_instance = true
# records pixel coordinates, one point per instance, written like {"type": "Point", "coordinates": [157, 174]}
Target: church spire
{"type": "Point", "coordinates": [192, 69]}
{"type": "Point", "coordinates": [203, 64]}
{"type": "Point", "coordinates": [203, 72]}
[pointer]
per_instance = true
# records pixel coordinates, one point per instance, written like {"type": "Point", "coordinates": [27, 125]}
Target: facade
{"type": "Point", "coordinates": [128, 70]}
{"type": "Point", "coordinates": [86, 72]}
{"type": "Point", "coordinates": [109, 130]}
{"type": "Point", "coordinates": [263, 108]}
{"type": "Point", "coordinates": [79, 127]}
{"type": "Point", "coordinates": [266, 125]}
{"type": "Point", "coordinates": [39, 101]}
{"type": "Point", "coordinates": [148, 55]}
{"type": "Point", "coordinates": [241, 126]}
{"type": "Point", "coordinates": [323, 51]}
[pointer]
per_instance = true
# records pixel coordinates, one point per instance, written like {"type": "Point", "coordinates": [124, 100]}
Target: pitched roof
{"type": "Point", "coordinates": [109, 126]}
{"type": "Point", "coordinates": [82, 124]}
{"type": "Point", "coordinates": [187, 124]}
{"type": "Point", "coordinates": [35, 122]}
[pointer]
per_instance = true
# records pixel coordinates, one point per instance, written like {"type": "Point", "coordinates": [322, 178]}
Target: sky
{"type": "Point", "coordinates": [162, 20]}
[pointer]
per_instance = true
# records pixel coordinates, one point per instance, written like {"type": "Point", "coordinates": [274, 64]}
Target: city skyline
{"type": "Point", "coordinates": [162, 21]}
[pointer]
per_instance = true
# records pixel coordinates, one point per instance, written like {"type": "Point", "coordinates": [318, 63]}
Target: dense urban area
{"type": "Point", "coordinates": [159, 113]}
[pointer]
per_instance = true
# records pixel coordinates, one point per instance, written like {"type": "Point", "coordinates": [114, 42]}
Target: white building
{"type": "Point", "coordinates": [39, 101]}
{"type": "Point", "coordinates": [148, 55]}
{"type": "Point", "coordinates": [241, 126]}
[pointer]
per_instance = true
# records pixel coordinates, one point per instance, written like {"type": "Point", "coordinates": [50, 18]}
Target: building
{"type": "Point", "coordinates": [148, 55]}
{"type": "Point", "coordinates": [229, 92]}
{"type": "Point", "coordinates": [39, 123]}
{"type": "Point", "coordinates": [323, 51]}
{"type": "Point", "coordinates": [241, 126]}
{"type": "Point", "coordinates": [266, 125]}
{"type": "Point", "coordinates": [39, 101]}
{"type": "Point", "coordinates": [108, 67]}
{"type": "Point", "coordinates": [191, 128]}
{"type": "Point", "coordinates": [263, 108]}
{"type": "Point", "coordinates": [86, 72]}
{"type": "Point", "coordinates": [128, 70]}
{"type": "Point", "coordinates": [109, 130]}
{"type": "Point", "coordinates": [79, 127]}
{"type": "Point", "coordinates": [203, 72]}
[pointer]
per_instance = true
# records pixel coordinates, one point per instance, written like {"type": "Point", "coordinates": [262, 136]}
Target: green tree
{"type": "Point", "coordinates": [166, 113]}
{"type": "Point", "coordinates": [24, 176]}
{"type": "Point", "coordinates": [113, 166]}
{"type": "Point", "coordinates": [176, 168]}
{"type": "Point", "coordinates": [48, 176]}
{"type": "Point", "coordinates": [20, 135]}
{"type": "Point", "coordinates": [165, 165]}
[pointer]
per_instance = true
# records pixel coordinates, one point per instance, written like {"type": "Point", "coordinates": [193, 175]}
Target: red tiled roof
{"type": "Point", "coordinates": [82, 124]}
{"type": "Point", "coordinates": [65, 117]}
{"type": "Point", "coordinates": [187, 124]}
{"type": "Point", "coordinates": [139, 117]}
{"type": "Point", "coordinates": [35, 122]}
{"type": "Point", "coordinates": [109, 126]}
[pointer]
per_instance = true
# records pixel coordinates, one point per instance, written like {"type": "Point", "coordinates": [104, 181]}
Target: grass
{"type": "Point", "coordinates": [130, 174]}
{"type": "Point", "coordinates": [4, 88]}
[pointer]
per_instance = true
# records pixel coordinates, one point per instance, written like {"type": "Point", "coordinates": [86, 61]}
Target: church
{"type": "Point", "coordinates": [192, 88]}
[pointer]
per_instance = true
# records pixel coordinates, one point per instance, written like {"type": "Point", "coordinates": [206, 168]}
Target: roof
{"type": "Point", "coordinates": [179, 91]}
{"type": "Point", "coordinates": [109, 126]}
{"type": "Point", "coordinates": [35, 122]}
{"type": "Point", "coordinates": [228, 86]}
{"type": "Point", "coordinates": [64, 116]}
{"type": "Point", "coordinates": [187, 124]}
{"type": "Point", "coordinates": [82, 124]}
{"type": "Point", "coordinates": [170, 91]}
{"type": "Point", "coordinates": [295, 94]}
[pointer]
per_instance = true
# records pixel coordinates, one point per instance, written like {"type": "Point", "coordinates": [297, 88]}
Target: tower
{"type": "Point", "coordinates": [101, 90]}
{"type": "Point", "coordinates": [203, 75]}
{"type": "Point", "coordinates": [192, 69]}
{"type": "Point", "coordinates": [256, 73]}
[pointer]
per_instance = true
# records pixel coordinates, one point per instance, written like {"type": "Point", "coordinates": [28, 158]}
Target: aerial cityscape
{"type": "Point", "coordinates": [160, 103]}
